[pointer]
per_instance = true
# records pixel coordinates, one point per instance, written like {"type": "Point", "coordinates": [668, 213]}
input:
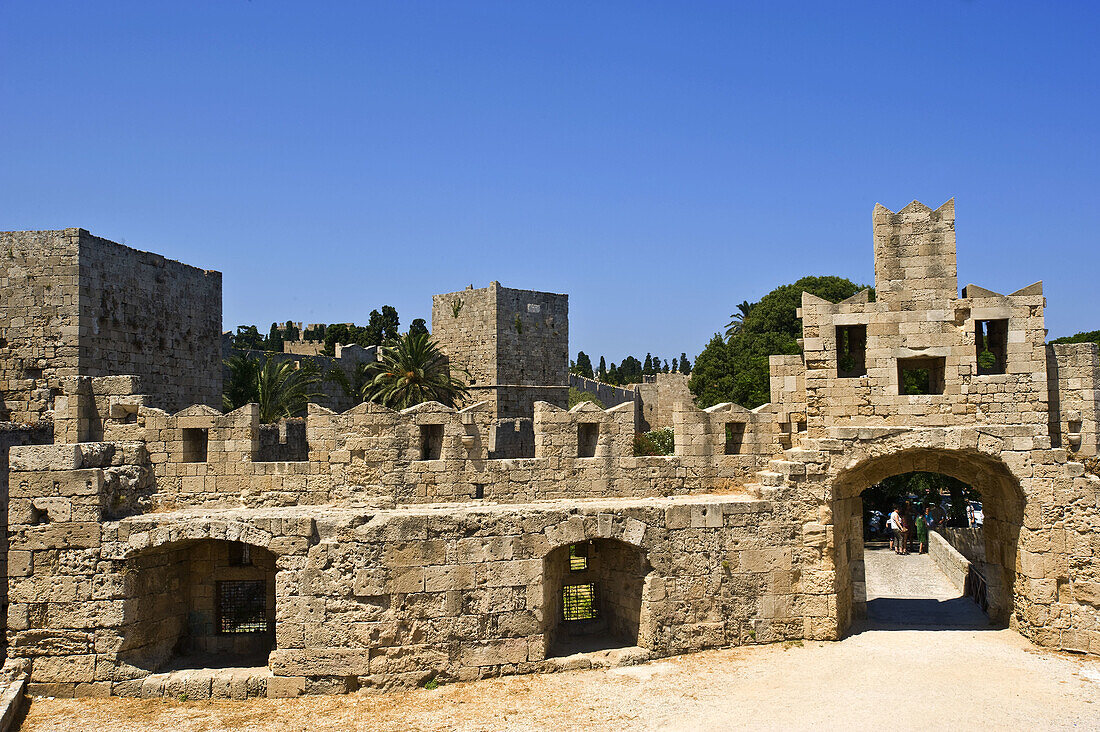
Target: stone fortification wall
{"type": "Point", "coordinates": [1073, 371]}
{"type": "Point", "coordinates": [513, 343]}
{"type": "Point", "coordinates": [426, 453]}
{"type": "Point", "coordinates": [950, 561]}
{"type": "Point", "coordinates": [74, 304]}
{"type": "Point", "coordinates": [660, 398]}
{"type": "Point", "coordinates": [609, 395]}
{"type": "Point", "coordinates": [921, 322]}
{"type": "Point", "coordinates": [152, 317]}
{"type": "Point", "coordinates": [39, 319]}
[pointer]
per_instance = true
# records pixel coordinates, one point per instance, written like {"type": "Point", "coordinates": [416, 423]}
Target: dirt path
{"type": "Point", "coordinates": [948, 679]}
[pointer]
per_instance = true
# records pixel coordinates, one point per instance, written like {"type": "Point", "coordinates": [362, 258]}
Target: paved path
{"type": "Point", "coordinates": [910, 591]}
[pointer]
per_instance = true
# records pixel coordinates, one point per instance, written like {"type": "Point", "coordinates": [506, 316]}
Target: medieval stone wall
{"type": "Point", "coordinates": [1073, 372]}
{"type": "Point", "coordinates": [74, 304]}
{"type": "Point", "coordinates": [39, 319]}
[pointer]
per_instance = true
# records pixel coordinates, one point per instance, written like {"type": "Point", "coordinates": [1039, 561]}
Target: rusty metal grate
{"type": "Point", "coordinates": [242, 606]}
{"type": "Point", "coordinates": [579, 602]}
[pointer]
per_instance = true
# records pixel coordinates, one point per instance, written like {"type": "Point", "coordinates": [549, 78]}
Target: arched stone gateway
{"type": "Point", "coordinates": [1002, 499]}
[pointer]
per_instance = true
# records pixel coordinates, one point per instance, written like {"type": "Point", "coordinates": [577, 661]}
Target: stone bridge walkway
{"type": "Point", "coordinates": [910, 591]}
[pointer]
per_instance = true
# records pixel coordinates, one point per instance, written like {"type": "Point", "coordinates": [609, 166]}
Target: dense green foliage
{"type": "Point", "coordinates": [413, 370]}
{"type": "Point", "coordinates": [281, 389]}
{"type": "Point", "coordinates": [922, 489]}
{"type": "Point", "coordinates": [582, 366]}
{"type": "Point", "coordinates": [1091, 336]}
{"type": "Point", "coordinates": [657, 442]}
{"type": "Point", "coordinates": [631, 370]}
{"type": "Point", "coordinates": [736, 370]}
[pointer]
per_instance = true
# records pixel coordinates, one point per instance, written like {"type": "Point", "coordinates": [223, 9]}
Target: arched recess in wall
{"type": "Point", "coordinates": [1003, 502]}
{"type": "Point", "coordinates": [198, 603]}
{"type": "Point", "coordinates": [594, 597]}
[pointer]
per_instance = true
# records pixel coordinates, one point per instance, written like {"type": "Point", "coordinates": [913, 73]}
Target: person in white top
{"type": "Point", "coordinates": [894, 522]}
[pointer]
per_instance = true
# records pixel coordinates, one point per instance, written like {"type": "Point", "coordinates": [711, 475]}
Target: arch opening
{"type": "Point", "coordinates": [204, 603]}
{"type": "Point", "coordinates": [986, 568]}
{"type": "Point", "coordinates": [592, 596]}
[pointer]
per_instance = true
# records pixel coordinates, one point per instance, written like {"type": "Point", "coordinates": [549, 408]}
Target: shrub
{"type": "Point", "coordinates": [657, 442]}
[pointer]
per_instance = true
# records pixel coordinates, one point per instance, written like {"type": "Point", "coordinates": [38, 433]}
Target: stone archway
{"type": "Point", "coordinates": [592, 596]}
{"type": "Point", "coordinates": [1003, 502]}
{"type": "Point", "coordinates": [198, 602]}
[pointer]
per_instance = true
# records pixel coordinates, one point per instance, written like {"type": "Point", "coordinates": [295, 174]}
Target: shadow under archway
{"type": "Point", "coordinates": [1003, 504]}
{"type": "Point", "coordinates": [201, 603]}
{"type": "Point", "coordinates": [592, 596]}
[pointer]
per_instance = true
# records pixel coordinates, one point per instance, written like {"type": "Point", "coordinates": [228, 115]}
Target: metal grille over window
{"type": "Point", "coordinates": [578, 557]}
{"type": "Point", "coordinates": [579, 602]}
{"type": "Point", "coordinates": [242, 606]}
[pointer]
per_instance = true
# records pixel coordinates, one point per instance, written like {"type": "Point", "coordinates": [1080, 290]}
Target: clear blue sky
{"type": "Point", "coordinates": [660, 162]}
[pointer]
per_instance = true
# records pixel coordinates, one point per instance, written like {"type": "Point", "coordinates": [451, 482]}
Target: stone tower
{"type": "Point", "coordinates": [515, 346]}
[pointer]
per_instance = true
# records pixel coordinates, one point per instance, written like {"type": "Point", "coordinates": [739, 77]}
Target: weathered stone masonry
{"type": "Point", "coordinates": [401, 547]}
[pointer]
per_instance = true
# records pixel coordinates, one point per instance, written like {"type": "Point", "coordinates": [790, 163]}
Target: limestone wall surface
{"type": "Point", "coordinates": [609, 395]}
{"type": "Point", "coordinates": [74, 304]}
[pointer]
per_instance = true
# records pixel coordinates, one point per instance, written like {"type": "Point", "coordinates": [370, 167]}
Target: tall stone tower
{"type": "Point", "coordinates": [515, 346]}
{"type": "Point", "coordinates": [915, 260]}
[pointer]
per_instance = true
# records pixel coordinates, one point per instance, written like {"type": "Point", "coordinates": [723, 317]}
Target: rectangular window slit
{"type": "Point", "coordinates": [578, 557]}
{"type": "Point", "coordinates": [851, 351]}
{"type": "Point", "coordinates": [921, 375]}
{"type": "Point", "coordinates": [735, 437]}
{"type": "Point", "coordinates": [579, 602]}
{"type": "Point", "coordinates": [991, 346]}
{"type": "Point", "coordinates": [431, 441]}
{"type": "Point", "coordinates": [242, 606]}
{"type": "Point", "coordinates": [196, 441]}
{"type": "Point", "coordinates": [588, 435]}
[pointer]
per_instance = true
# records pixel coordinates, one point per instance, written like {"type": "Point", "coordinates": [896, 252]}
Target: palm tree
{"type": "Point", "coordinates": [413, 370]}
{"type": "Point", "coordinates": [737, 320]}
{"type": "Point", "coordinates": [356, 386]}
{"type": "Point", "coordinates": [282, 389]}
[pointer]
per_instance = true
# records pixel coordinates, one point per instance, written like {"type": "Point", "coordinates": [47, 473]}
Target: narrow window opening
{"type": "Point", "coordinates": [991, 346]}
{"type": "Point", "coordinates": [32, 373]}
{"type": "Point", "coordinates": [578, 557]}
{"type": "Point", "coordinates": [579, 602]}
{"type": "Point", "coordinates": [735, 437]}
{"type": "Point", "coordinates": [479, 490]}
{"type": "Point", "coordinates": [196, 440]}
{"type": "Point", "coordinates": [242, 606]}
{"type": "Point", "coordinates": [431, 441]}
{"type": "Point", "coordinates": [588, 435]}
{"type": "Point", "coordinates": [240, 554]}
{"type": "Point", "coordinates": [923, 375]}
{"type": "Point", "coordinates": [851, 351]}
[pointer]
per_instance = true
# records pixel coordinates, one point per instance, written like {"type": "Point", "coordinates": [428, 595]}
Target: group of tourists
{"type": "Point", "coordinates": [906, 526]}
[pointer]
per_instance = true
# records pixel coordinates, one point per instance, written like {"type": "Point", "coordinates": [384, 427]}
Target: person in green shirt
{"type": "Point", "coordinates": [922, 534]}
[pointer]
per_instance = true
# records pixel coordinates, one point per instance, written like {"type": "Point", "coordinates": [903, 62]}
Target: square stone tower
{"type": "Point", "coordinates": [515, 346]}
{"type": "Point", "coordinates": [73, 304]}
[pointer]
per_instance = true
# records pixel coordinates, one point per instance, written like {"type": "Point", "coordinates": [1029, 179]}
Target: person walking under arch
{"type": "Point", "coordinates": [896, 536]}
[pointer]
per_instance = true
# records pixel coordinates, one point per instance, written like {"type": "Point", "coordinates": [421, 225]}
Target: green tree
{"type": "Point", "coordinates": [736, 370]}
{"type": "Point", "coordinates": [247, 338]}
{"type": "Point", "coordinates": [275, 339]}
{"type": "Point", "coordinates": [281, 389]}
{"type": "Point", "coordinates": [583, 366]}
{"type": "Point", "coordinates": [418, 327]}
{"type": "Point", "coordinates": [356, 385]}
{"type": "Point", "coordinates": [413, 370]}
{"type": "Point", "coordinates": [1091, 336]}
{"type": "Point", "coordinates": [685, 365]}
{"type": "Point", "coordinates": [675, 366]}
{"type": "Point", "coordinates": [738, 318]}
{"type": "Point", "coordinates": [647, 367]}
{"type": "Point", "coordinates": [602, 373]}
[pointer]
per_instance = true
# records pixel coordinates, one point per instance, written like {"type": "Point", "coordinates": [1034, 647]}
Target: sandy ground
{"type": "Point", "coordinates": [917, 678]}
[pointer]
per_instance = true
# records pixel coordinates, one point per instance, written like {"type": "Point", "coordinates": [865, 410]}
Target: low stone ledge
{"type": "Point", "coordinates": [12, 701]}
{"type": "Point", "coordinates": [949, 560]}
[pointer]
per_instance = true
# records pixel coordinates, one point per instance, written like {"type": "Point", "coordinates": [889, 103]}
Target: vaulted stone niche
{"type": "Point", "coordinates": [204, 603]}
{"type": "Point", "coordinates": [593, 596]}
